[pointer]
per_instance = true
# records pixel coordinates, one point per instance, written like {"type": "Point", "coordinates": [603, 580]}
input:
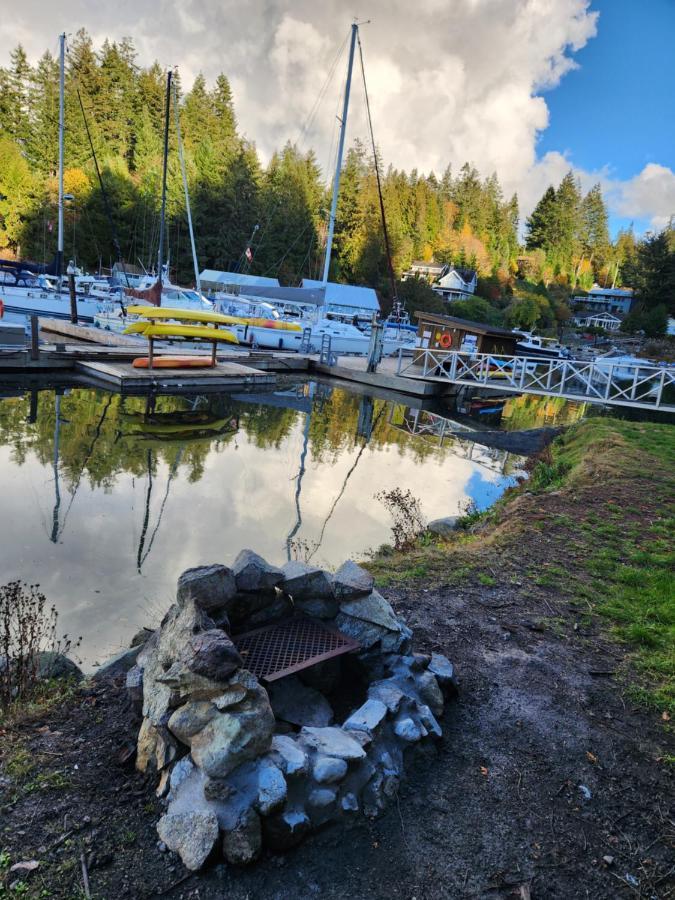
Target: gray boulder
{"type": "Point", "coordinates": [211, 587]}
{"type": "Point", "coordinates": [271, 787]}
{"type": "Point", "coordinates": [430, 692]}
{"type": "Point", "coordinates": [254, 574]}
{"type": "Point", "coordinates": [327, 769]}
{"type": "Point", "coordinates": [213, 655]}
{"type": "Point", "coordinates": [367, 717]}
{"type": "Point", "coordinates": [242, 844]}
{"type": "Point", "coordinates": [289, 756]}
{"type": "Point", "coordinates": [57, 665]}
{"type": "Point", "coordinates": [443, 669]}
{"type": "Point", "coordinates": [372, 608]}
{"type": "Point", "coordinates": [119, 664]}
{"type": "Point", "coordinates": [444, 527]}
{"type": "Point", "coordinates": [298, 704]}
{"type": "Point", "coordinates": [351, 580]}
{"type": "Point", "coordinates": [242, 733]}
{"type": "Point", "coordinates": [304, 582]}
{"type": "Point", "coordinates": [191, 834]}
{"type": "Point", "coordinates": [332, 742]}
{"type": "Point", "coordinates": [190, 719]}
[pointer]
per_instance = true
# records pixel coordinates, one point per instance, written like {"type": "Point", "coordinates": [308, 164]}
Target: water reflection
{"type": "Point", "coordinates": [106, 499]}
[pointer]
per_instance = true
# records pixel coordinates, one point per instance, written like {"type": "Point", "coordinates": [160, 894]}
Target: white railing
{"type": "Point", "coordinates": [598, 381]}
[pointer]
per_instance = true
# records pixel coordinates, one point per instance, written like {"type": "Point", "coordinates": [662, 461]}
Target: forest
{"type": "Point", "coordinates": [117, 106]}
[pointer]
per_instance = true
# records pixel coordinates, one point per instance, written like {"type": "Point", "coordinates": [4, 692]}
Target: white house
{"type": "Point", "coordinates": [456, 284]}
{"type": "Point", "coordinates": [610, 300]}
{"type": "Point", "coordinates": [599, 320]}
{"type": "Point", "coordinates": [430, 271]}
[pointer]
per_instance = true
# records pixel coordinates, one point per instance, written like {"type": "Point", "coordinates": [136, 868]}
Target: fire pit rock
{"type": "Point", "coordinates": [245, 763]}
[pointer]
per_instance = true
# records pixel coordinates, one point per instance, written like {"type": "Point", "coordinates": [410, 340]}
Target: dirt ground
{"type": "Point", "coordinates": [548, 781]}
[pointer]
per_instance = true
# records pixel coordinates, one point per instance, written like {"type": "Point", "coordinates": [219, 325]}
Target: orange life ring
{"type": "Point", "coordinates": [2, 307]}
{"type": "Point", "coordinates": [446, 341]}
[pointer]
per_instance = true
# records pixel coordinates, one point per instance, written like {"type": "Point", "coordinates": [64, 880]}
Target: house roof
{"type": "Point", "coordinates": [218, 277]}
{"type": "Point", "coordinates": [346, 294]}
{"type": "Point", "coordinates": [421, 264]}
{"type": "Point", "coordinates": [466, 325]}
{"type": "Point", "coordinates": [611, 292]}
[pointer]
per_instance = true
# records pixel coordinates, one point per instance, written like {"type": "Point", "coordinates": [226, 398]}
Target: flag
{"type": "Point", "coordinates": [249, 254]}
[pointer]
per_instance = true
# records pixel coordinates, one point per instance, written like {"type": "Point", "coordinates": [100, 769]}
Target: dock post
{"type": "Point", "coordinates": [150, 352]}
{"type": "Point", "coordinates": [34, 338]}
{"type": "Point", "coordinates": [213, 355]}
{"type": "Point", "coordinates": [73, 298]}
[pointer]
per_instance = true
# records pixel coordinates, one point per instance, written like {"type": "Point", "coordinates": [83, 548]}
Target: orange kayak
{"type": "Point", "coordinates": [173, 362]}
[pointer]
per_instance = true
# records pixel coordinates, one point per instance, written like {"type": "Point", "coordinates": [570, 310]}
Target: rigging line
{"type": "Point", "coordinates": [344, 487]}
{"type": "Point", "coordinates": [275, 266]}
{"type": "Point", "coordinates": [311, 115]}
{"type": "Point", "coordinates": [104, 193]}
{"type": "Point", "coordinates": [379, 183]}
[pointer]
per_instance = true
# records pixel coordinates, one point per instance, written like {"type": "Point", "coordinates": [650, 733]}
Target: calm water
{"type": "Point", "coordinates": [106, 500]}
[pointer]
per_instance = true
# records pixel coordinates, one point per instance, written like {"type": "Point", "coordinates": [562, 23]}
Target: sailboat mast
{"type": "Point", "coordinates": [162, 218]}
{"type": "Point", "coordinates": [338, 164]}
{"type": "Point", "coordinates": [185, 188]}
{"type": "Point", "coordinates": [62, 67]}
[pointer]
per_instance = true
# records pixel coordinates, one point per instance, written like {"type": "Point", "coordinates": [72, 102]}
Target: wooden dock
{"type": "Point", "coordinates": [353, 368]}
{"type": "Point", "coordinates": [122, 376]}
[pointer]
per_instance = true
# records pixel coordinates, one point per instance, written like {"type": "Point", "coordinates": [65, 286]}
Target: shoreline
{"type": "Point", "coordinates": [548, 779]}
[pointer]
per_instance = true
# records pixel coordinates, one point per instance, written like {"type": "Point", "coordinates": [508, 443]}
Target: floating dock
{"type": "Point", "coordinates": [122, 376]}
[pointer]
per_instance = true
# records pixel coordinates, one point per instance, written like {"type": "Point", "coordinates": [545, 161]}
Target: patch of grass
{"type": "Point", "coordinates": [18, 762]}
{"type": "Point", "coordinates": [487, 580]}
{"type": "Point", "coordinates": [47, 781]}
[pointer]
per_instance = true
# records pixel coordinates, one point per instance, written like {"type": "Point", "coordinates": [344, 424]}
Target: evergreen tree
{"type": "Point", "coordinates": [541, 224]}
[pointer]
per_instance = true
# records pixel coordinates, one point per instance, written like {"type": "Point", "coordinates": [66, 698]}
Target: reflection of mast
{"type": "Point", "coordinates": [146, 517]}
{"type": "Point", "coordinates": [57, 490]}
{"type": "Point", "coordinates": [298, 487]}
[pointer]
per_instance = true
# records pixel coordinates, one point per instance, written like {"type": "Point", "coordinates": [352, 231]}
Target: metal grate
{"type": "Point", "coordinates": [277, 650]}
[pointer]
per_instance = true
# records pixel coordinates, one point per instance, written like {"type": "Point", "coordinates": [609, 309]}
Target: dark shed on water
{"type": "Point", "coordinates": [438, 332]}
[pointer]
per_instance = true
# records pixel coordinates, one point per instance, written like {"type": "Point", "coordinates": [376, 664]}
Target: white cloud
{"type": "Point", "coordinates": [448, 82]}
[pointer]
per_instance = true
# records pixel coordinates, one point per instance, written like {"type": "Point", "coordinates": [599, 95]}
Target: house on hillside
{"type": "Point", "coordinates": [598, 320]}
{"type": "Point", "coordinates": [456, 284]}
{"type": "Point", "coordinates": [347, 301]}
{"type": "Point", "coordinates": [430, 271]}
{"type": "Point", "coordinates": [609, 300]}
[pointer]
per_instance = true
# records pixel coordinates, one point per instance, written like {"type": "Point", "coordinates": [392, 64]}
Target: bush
{"type": "Point", "coordinates": [409, 523]}
{"type": "Point", "coordinates": [27, 628]}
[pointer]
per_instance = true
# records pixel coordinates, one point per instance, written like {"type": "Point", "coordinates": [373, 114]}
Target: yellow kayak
{"type": "Point", "coordinates": [181, 315]}
{"type": "Point", "coordinates": [194, 315]}
{"type": "Point", "coordinates": [195, 332]}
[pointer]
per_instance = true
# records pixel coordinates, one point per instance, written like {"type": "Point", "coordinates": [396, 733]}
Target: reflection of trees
{"type": "Point", "coordinates": [334, 429]}
{"type": "Point", "coordinates": [528, 411]}
{"type": "Point", "coordinates": [108, 419]}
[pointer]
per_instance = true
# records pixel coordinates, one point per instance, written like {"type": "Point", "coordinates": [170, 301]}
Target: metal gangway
{"type": "Point", "coordinates": [605, 381]}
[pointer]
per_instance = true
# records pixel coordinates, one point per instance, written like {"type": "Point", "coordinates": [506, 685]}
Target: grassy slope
{"type": "Point", "coordinates": [594, 526]}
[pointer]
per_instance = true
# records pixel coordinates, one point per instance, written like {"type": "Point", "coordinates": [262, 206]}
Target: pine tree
{"type": "Point", "coordinates": [594, 234]}
{"type": "Point", "coordinates": [18, 86]}
{"type": "Point", "coordinates": [541, 224]}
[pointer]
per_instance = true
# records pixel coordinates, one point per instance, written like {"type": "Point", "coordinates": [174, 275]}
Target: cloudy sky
{"type": "Point", "coordinates": [527, 88]}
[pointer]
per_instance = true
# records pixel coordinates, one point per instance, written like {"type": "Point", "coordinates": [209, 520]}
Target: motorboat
{"type": "Point", "coordinates": [535, 345]}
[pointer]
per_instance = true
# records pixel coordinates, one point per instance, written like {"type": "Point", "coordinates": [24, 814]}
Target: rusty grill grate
{"type": "Point", "coordinates": [277, 650]}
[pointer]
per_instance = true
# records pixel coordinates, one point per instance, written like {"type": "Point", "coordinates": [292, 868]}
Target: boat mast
{"type": "Point", "coordinates": [162, 219]}
{"type": "Point", "coordinates": [185, 188]}
{"type": "Point", "coordinates": [338, 164]}
{"type": "Point", "coordinates": [59, 252]}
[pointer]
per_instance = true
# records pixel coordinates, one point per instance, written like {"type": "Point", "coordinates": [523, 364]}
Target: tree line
{"type": "Point", "coordinates": [279, 209]}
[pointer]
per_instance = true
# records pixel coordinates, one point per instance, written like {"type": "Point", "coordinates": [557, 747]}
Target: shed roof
{"type": "Point", "coordinates": [346, 294]}
{"type": "Point", "coordinates": [218, 277]}
{"type": "Point", "coordinates": [466, 325]}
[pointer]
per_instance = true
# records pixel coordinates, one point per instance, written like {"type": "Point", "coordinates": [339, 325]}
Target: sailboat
{"type": "Point", "coordinates": [42, 294]}
{"type": "Point", "coordinates": [345, 338]}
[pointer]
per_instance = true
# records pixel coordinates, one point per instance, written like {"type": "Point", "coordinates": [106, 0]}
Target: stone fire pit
{"type": "Point", "coordinates": [245, 763]}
